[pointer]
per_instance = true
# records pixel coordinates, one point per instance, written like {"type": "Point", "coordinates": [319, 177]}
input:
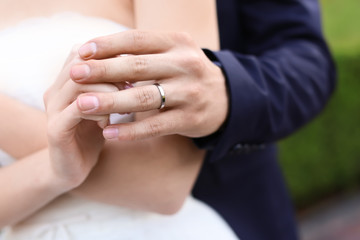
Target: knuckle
{"type": "Point", "coordinates": [98, 68]}
{"type": "Point", "coordinates": [131, 134]}
{"type": "Point", "coordinates": [107, 102]}
{"type": "Point", "coordinates": [153, 129]}
{"type": "Point", "coordinates": [138, 38]}
{"type": "Point", "coordinates": [183, 38]}
{"type": "Point", "coordinates": [138, 65]}
{"type": "Point", "coordinates": [144, 98]}
{"type": "Point", "coordinates": [194, 93]}
{"type": "Point", "coordinates": [192, 63]}
{"type": "Point", "coordinates": [195, 64]}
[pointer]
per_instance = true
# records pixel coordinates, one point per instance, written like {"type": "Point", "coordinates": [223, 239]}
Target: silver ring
{"type": "Point", "coordinates": [162, 95]}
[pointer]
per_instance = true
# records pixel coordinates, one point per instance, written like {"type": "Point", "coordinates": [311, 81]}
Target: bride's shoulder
{"type": "Point", "coordinates": [69, 19]}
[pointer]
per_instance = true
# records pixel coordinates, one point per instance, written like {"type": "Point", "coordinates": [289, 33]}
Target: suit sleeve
{"type": "Point", "coordinates": [279, 81]}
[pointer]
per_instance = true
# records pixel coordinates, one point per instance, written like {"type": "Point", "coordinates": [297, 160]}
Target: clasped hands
{"type": "Point", "coordinates": [195, 91]}
{"type": "Point", "coordinates": [93, 84]}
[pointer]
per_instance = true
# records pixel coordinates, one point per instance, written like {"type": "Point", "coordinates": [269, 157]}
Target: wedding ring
{"type": "Point", "coordinates": [162, 95]}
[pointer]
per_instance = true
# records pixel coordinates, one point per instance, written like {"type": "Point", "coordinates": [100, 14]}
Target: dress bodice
{"type": "Point", "coordinates": [32, 54]}
{"type": "Point", "coordinates": [34, 51]}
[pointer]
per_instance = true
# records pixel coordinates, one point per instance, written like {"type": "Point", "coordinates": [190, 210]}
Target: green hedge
{"type": "Point", "coordinates": [324, 157]}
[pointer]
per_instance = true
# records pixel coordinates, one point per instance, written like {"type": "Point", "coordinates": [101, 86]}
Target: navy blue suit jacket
{"type": "Point", "coordinates": [279, 76]}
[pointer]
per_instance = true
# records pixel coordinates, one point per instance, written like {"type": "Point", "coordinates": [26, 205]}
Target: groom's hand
{"type": "Point", "coordinates": [195, 96]}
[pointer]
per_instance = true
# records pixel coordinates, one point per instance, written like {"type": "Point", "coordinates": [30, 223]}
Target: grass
{"type": "Point", "coordinates": [341, 19]}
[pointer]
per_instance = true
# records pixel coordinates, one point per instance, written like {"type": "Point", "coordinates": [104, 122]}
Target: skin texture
{"type": "Point", "coordinates": [12, 12]}
{"type": "Point", "coordinates": [17, 131]}
{"type": "Point", "coordinates": [137, 174]}
{"type": "Point", "coordinates": [32, 177]}
{"type": "Point", "coordinates": [197, 18]}
{"type": "Point", "coordinates": [189, 80]}
{"type": "Point", "coordinates": [173, 59]}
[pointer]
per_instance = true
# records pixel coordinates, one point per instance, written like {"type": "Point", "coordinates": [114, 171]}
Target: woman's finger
{"type": "Point", "coordinates": [64, 76]}
{"type": "Point", "coordinates": [67, 119]}
{"type": "Point", "coordinates": [127, 42]}
{"type": "Point", "coordinates": [69, 92]}
{"type": "Point", "coordinates": [130, 68]}
{"type": "Point", "coordinates": [70, 117]}
{"type": "Point", "coordinates": [137, 99]}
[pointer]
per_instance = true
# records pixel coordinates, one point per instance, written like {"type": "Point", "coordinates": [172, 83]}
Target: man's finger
{"type": "Point", "coordinates": [137, 99]}
{"type": "Point", "coordinates": [129, 68]}
{"type": "Point", "coordinates": [158, 125]}
{"type": "Point", "coordinates": [127, 42]}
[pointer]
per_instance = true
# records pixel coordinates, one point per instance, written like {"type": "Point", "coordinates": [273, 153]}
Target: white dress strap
{"type": "Point", "coordinates": [5, 159]}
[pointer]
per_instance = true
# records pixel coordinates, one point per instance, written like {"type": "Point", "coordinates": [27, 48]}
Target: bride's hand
{"type": "Point", "coordinates": [75, 140]}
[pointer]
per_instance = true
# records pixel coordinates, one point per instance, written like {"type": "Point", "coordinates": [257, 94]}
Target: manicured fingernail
{"type": "Point", "coordinates": [87, 50]}
{"type": "Point", "coordinates": [80, 71]}
{"type": "Point", "coordinates": [111, 133]}
{"type": "Point", "coordinates": [88, 103]}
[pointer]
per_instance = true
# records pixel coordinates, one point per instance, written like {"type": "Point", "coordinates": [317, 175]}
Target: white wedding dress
{"type": "Point", "coordinates": [32, 54]}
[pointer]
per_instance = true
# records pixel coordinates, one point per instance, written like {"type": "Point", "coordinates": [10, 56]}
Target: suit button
{"type": "Point", "coordinates": [246, 148]}
{"type": "Point", "coordinates": [238, 149]}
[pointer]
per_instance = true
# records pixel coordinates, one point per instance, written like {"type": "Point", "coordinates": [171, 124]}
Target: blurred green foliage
{"type": "Point", "coordinates": [323, 158]}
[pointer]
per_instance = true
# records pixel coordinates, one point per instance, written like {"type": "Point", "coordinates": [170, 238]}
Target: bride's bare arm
{"type": "Point", "coordinates": [22, 128]}
{"type": "Point", "coordinates": [74, 148]}
{"type": "Point", "coordinates": [26, 186]}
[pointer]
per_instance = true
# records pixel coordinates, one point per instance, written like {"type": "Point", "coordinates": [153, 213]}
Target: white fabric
{"type": "Point", "coordinates": [32, 54]}
{"type": "Point", "coordinates": [34, 51]}
{"type": "Point", "coordinates": [74, 218]}
{"type": "Point", "coordinates": [5, 159]}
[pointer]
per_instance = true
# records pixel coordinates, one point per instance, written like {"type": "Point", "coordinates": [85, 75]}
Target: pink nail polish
{"type": "Point", "coordinates": [80, 71]}
{"type": "Point", "coordinates": [111, 133]}
{"type": "Point", "coordinates": [128, 85]}
{"type": "Point", "coordinates": [87, 50]}
{"type": "Point", "coordinates": [88, 103]}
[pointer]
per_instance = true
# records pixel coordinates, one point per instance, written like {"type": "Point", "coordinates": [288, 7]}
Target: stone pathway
{"type": "Point", "coordinates": [337, 219]}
